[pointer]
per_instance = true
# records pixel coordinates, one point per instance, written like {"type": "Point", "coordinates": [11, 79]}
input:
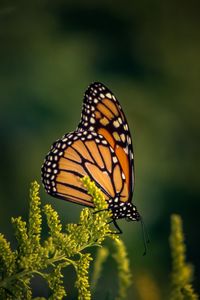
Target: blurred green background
{"type": "Point", "coordinates": [147, 53]}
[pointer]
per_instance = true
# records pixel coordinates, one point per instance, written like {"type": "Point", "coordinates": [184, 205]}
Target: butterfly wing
{"type": "Point", "coordinates": [102, 113]}
{"type": "Point", "coordinates": [78, 154]}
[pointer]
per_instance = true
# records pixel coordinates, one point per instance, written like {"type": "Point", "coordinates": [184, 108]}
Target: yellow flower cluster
{"type": "Point", "coordinates": [181, 276]}
{"type": "Point", "coordinates": [60, 249]}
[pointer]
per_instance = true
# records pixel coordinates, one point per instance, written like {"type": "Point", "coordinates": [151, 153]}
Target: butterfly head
{"type": "Point", "coordinates": [132, 213]}
{"type": "Point", "coordinates": [125, 210]}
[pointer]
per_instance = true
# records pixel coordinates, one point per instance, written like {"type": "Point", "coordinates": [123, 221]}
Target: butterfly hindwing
{"type": "Point", "coordinates": [78, 154]}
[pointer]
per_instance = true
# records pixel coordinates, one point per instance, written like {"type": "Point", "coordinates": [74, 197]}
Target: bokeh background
{"type": "Point", "coordinates": [147, 53]}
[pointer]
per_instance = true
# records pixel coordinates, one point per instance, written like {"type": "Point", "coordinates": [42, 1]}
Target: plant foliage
{"type": "Point", "coordinates": [70, 246]}
{"type": "Point", "coordinates": [62, 247]}
{"type": "Point", "coordinates": [182, 272]}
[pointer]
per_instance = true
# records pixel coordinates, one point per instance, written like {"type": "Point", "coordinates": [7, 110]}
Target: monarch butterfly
{"type": "Point", "coordinates": [101, 148]}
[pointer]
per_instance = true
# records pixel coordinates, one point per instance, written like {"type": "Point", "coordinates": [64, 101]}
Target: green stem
{"type": "Point", "coordinates": [6, 281]}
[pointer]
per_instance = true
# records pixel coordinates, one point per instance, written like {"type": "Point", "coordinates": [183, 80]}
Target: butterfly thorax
{"type": "Point", "coordinates": [122, 209]}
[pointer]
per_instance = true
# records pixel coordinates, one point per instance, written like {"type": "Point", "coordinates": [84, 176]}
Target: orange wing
{"type": "Point", "coordinates": [103, 114]}
{"type": "Point", "coordinates": [79, 154]}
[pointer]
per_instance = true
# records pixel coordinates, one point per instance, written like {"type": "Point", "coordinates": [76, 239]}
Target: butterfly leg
{"type": "Point", "coordinates": [117, 227]}
{"type": "Point", "coordinates": [112, 221]}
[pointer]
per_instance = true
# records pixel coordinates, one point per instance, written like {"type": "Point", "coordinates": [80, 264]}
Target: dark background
{"type": "Point", "coordinates": [147, 53]}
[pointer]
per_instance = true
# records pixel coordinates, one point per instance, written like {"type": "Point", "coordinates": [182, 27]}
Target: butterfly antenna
{"type": "Point", "coordinates": [146, 233]}
{"type": "Point", "coordinates": [145, 237]}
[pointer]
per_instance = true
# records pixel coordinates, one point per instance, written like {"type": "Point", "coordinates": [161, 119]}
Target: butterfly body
{"type": "Point", "coordinates": [100, 148]}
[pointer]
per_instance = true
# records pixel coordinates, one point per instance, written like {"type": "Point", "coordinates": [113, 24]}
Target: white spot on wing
{"type": "Point", "coordinates": [114, 159]}
{"type": "Point", "coordinates": [129, 140]}
{"type": "Point", "coordinates": [116, 124]}
{"type": "Point", "coordinates": [120, 120]}
{"type": "Point", "coordinates": [123, 138]}
{"type": "Point", "coordinates": [125, 127]}
{"type": "Point", "coordinates": [92, 120]}
{"type": "Point", "coordinates": [126, 150]}
{"type": "Point", "coordinates": [109, 95]}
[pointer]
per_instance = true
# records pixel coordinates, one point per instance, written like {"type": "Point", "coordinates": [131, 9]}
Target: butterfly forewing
{"type": "Point", "coordinates": [103, 114]}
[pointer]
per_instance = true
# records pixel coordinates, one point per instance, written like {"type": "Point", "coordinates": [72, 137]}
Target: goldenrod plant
{"type": "Point", "coordinates": [102, 254]}
{"type": "Point", "coordinates": [182, 272]}
{"type": "Point", "coordinates": [63, 247]}
{"type": "Point", "coordinates": [124, 275]}
{"type": "Point", "coordinates": [71, 246]}
{"type": "Point", "coordinates": [147, 288]}
{"type": "Point", "coordinates": [120, 255]}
